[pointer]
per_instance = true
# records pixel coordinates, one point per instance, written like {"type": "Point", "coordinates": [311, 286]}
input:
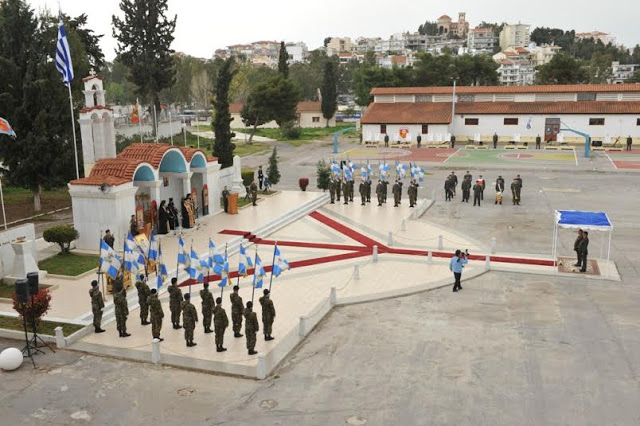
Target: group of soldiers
{"type": "Point", "coordinates": [345, 188]}
{"type": "Point", "coordinates": [180, 305]}
{"type": "Point", "coordinates": [451, 183]}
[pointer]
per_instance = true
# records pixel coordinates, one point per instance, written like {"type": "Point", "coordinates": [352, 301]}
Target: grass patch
{"type": "Point", "coordinates": [45, 327]}
{"type": "Point", "coordinates": [68, 264]}
{"type": "Point", "coordinates": [6, 291]}
{"type": "Point", "coordinates": [306, 134]}
{"type": "Point", "coordinates": [14, 195]}
{"type": "Point", "coordinates": [243, 149]}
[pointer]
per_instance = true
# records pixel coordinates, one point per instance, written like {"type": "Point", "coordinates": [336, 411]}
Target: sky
{"type": "Point", "coordinates": [204, 26]}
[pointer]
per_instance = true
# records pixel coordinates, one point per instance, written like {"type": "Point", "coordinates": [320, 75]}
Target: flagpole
{"type": "Point", "coordinates": [100, 278]}
{"type": "Point", "coordinates": [238, 282]}
{"type": "Point", "coordinates": [190, 279]}
{"type": "Point", "coordinates": [255, 270]}
{"type": "Point", "coordinates": [73, 128]}
{"type": "Point", "coordinates": [178, 262]}
{"type": "Point", "coordinates": [272, 265]}
{"type": "Point", "coordinates": [155, 120]}
{"type": "Point", "coordinates": [227, 262]}
{"type": "Point", "coordinates": [171, 127]}
{"type": "Point", "coordinates": [4, 214]}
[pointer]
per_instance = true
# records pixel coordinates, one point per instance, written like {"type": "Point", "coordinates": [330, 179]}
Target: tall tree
{"type": "Point", "coordinates": [562, 69]}
{"type": "Point", "coordinates": [329, 92]}
{"type": "Point", "coordinates": [429, 28]}
{"type": "Point", "coordinates": [223, 147]}
{"type": "Point", "coordinates": [283, 60]}
{"type": "Point", "coordinates": [273, 174]}
{"type": "Point", "coordinates": [144, 45]}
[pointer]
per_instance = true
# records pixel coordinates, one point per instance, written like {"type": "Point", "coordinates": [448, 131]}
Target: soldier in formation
{"type": "Point", "coordinates": [448, 188]}
{"type": "Point", "coordinates": [413, 193]}
{"type": "Point", "coordinates": [338, 188]}
{"type": "Point", "coordinates": [516, 187]}
{"type": "Point", "coordinates": [253, 188]}
{"type": "Point", "coordinates": [268, 314]}
{"type": "Point", "coordinates": [207, 307]}
{"type": "Point", "coordinates": [466, 188]}
{"type": "Point", "coordinates": [189, 319]}
{"type": "Point", "coordinates": [380, 192]}
{"type": "Point", "coordinates": [332, 190]}
{"type": "Point", "coordinates": [236, 311]}
{"type": "Point", "coordinates": [454, 179]}
{"type": "Point", "coordinates": [251, 328]}
{"type": "Point", "coordinates": [368, 182]}
{"type": "Point", "coordinates": [345, 191]}
{"type": "Point", "coordinates": [121, 307]}
{"type": "Point", "coordinates": [220, 323]}
{"type": "Point", "coordinates": [500, 184]}
{"type": "Point", "coordinates": [352, 189]}
{"type": "Point", "coordinates": [482, 185]}
{"type": "Point", "coordinates": [385, 190]}
{"type": "Point", "coordinates": [97, 304]}
{"type": "Point", "coordinates": [477, 193]}
{"type": "Point", "coordinates": [175, 300]}
{"type": "Point", "coordinates": [143, 295]}
{"type": "Point", "coordinates": [362, 189]}
{"type": "Point", "coordinates": [157, 314]}
{"type": "Point", "coordinates": [397, 193]}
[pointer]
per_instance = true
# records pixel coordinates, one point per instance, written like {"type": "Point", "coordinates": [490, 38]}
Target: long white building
{"type": "Point", "coordinates": [605, 112]}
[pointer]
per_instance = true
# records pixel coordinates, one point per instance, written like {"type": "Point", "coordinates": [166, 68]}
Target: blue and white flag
{"type": "Point", "coordinates": [222, 270]}
{"type": "Point", "coordinates": [161, 272]}
{"type": "Point", "coordinates": [109, 262]}
{"type": "Point", "coordinates": [347, 172]}
{"type": "Point", "coordinates": [244, 262]}
{"type": "Point", "coordinates": [258, 273]}
{"type": "Point", "coordinates": [183, 254]}
{"type": "Point", "coordinates": [335, 169]}
{"type": "Point", "coordinates": [153, 248]}
{"type": "Point", "coordinates": [195, 267]}
{"type": "Point", "coordinates": [352, 166]}
{"type": "Point", "coordinates": [415, 170]}
{"type": "Point", "coordinates": [280, 264]}
{"type": "Point", "coordinates": [401, 170]}
{"type": "Point", "coordinates": [364, 173]}
{"type": "Point", "coordinates": [63, 54]}
{"type": "Point", "coordinates": [370, 174]}
{"type": "Point", "coordinates": [133, 257]}
{"type": "Point", "coordinates": [384, 169]}
{"type": "Point", "coordinates": [214, 256]}
{"type": "Point", "coordinates": [421, 174]}
{"type": "Point", "coordinates": [528, 126]}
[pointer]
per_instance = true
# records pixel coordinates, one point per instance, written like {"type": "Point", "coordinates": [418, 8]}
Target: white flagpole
{"type": "Point", "coordinates": [171, 128]}
{"type": "Point", "coordinates": [155, 120]}
{"type": "Point", "coordinates": [73, 127]}
{"type": "Point", "coordinates": [4, 214]}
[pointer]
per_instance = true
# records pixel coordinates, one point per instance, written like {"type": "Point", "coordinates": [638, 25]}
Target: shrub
{"type": "Point", "coordinates": [62, 235]}
{"type": "Point", "coordinates": [289, 130]}
{"type": "Point", "coordinates": [303, 182]}
{"type": "Point", "coordinates": [37, 306]}
{"type": "Point", "coordinates": [273, 174]}
{"type": "Point", "coordinates": [323, 175]}
{"type": "Point", "coordinates": [247, 177]}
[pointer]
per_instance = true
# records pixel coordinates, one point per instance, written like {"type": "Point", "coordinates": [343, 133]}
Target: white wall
{"type": "Point", "coordinates": [371, 131]}
{"type": "Point", "coordinates": [236, 123]}
{"type": "Point", "coordinates": [306, 120]}
{"type": "Point", "coordinates": [7, 255]}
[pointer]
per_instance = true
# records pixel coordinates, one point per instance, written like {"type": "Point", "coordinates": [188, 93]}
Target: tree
{"type": "Point", "coordinates": [557, 36]}
{"type": "Point", "coordinates": [429, 28]}
{"type": "Point", "coordinates": [255, 113]}
{"type": "Point", "coordinates": [326, 41]}
{"type": "Point", "coordinates": [144, 39]}
{"type": "Point", "coordinates": [323, 173]}
{"type": "Point", "coordinates": [329, 92]}
{"type": "Point", "coordinates": [562, 69]}
{"type": "Point", "coordinates": [62, 235]}
{"type": "Point", "coordinates": [599, 69]}
{"type": "Point", "coordinates": [635, 78]}
{"type": "Point", "coordinates": [272, 171]}
{"type": "Point", "coordinates": [283, 61]}
{"type": "Point", "coordinates": [223, 147]}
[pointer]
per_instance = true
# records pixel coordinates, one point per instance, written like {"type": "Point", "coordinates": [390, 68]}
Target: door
{"type": "Point", "coordinates": [551, 129]}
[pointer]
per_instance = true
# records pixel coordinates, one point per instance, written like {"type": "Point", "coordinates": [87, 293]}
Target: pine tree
{"type": "Point", "coordinates": [329, 92]}
{"type": "Point", "coordinates": [272, 172]}
{"type": "Point", "coordinates": [144, 45]}
{"type": "Point", "coordinates": [283, 58]}
{"type": "Point", "coordinates": [323, 174]}
{"type": "Point", "coordinates": [223, 147]}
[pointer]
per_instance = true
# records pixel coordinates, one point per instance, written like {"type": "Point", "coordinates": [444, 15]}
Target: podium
{"type": "Point", "coordinates": [233, 203]}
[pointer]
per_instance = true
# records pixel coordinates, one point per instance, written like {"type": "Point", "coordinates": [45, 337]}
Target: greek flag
{"type": "Point", "coordinates": [401, 170]}
{"type": "Point", "coordinates": [132, 255]}
{"type": "Point", "coordinates": [63, 55]}
{"type": "Point", "coordinates": [370, 171]}
{"type": "Point", "coordinates": [280, 264]}
{"type": "Point", "coordinates": [352, 166]}
{"type": "Point", "coordinates": [195, 267]}
{"type": "Point", "coordinates": [109, 261]}
{"type": "Point", "coordinates": [364, 173]}
{"type": "Point", "coordinates": [347, 173]}
{"type": "Point", "coordinates": [258, 273]}
{"type": "Point", "coordinates": [153, 248]}
{"type": "Point", "coordinates": [222, 269]}
{"type": "Point", "coordinates": [421, 174]}
{"type": "Point", "coordinates": [244, 263]}
{"type": "Point", "coordinates": [183, 255]}
{"type": "Point", "coordinates": [335, 169]}
{"type": "Point", "coordinates": [384, 170]}
{"type": "Point", "coordinates": [529, 123]}
{"type": "Point", "coordinates": [214, 258]}
{"type": "Point", "coordinates": [161, 272]}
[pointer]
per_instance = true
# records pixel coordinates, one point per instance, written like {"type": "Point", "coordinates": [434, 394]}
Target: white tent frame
{"type": "Point", "coordinates": [554, 252]}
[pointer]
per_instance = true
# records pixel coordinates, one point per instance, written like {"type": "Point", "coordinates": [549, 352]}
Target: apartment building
{"type": "Point", "coordinates": [517, 35]}
{"type": "Point", "coordinates": [481, 40]}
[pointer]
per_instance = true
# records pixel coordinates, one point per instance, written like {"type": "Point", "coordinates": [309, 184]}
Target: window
{"type": "Point", "coordinates": [425, 129]}
{"type": "Point", "coordinates": [586, 96]}
{"type": "Point", "coordinates": [424, 98]}
{"type": "Point", "coordinates": [383, 129]}
{"type": "Point", "coordinates": [510, 121]}
{"type": "Point", "coordinates": [471, 121]}
{"type": "Point", "coordinates": [315, 119]}
{"type": "Point", "coordinates": [596, 122]}
{"type": "Point", "coordinates": [638, 122]}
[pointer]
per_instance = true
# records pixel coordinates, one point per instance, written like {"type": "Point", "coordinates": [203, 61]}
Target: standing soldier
{"type": "Point", "coordinates": [253, 188]}
{"type": "Point", "coordinates": [143, 295]}
{"type": "Point", "coordinates": [108, 238]}
{"type": "Point", "coordinates": [97, 304]}
{"type": "Point", "coordinates": [345, 191]}
{"type": "Point", "coordinates": [157, 314]}
{"type": "Point", "coordinates": [385, 190]}
{"type": "Point", "coordinates": [448, 191]}
{"type": "Point", "coordinates": [415, 192]}
{"type": "Point", "coordinates": [500, 184]}
{"type": "Point", "coordinates": [236, 311]}
{"type": "Point", "coordinates": [495, 140]}
{"type": "Point", "coordinates": [225, 199]}
{"type": "Point", "coordinates": [332, 190]}
{"type": "Point", "coordinates": [268, 314]}
{"type": "Point", "coordinates": [220, 323]}
{"type": "Point", "coordinates": [368, 182]}
{"type": "Point", "coordinates": [468, 176]}
{"type": "Point", "coordinates": [207, 307]}
{"type": "Point", "coordinates": [362, 189]}
{"type": "Point", "coordinates": [629, 142]}
{"type": "Point", "coordinates": [120, 303]}
{"type": "Point", "coordinates": [454, 179]}
{"type": "Point", "coordinates": [538, 141]}
{"type": "Point", "coordinates": [576, 247]}
{"type": "Point", "coordinates": [260, 176]}
{"type": "Point", "coordinates": [338, 190]}
{"type": "Point", "coordinates": [251, 327]}
{"type": "Point", "coordinates": [482, 185]}
{"type": "Point", "coordinates": [189, 319]}
{"type": "Point", "coordinates": [352, 189]}
{"type": "Point", "coordinates": [394, 190]}
{"type": "Point", "coordinates": [175, 299]}
{"type": "Point", "coordinates": [466, 189]}
{"type": "Point", "coordinates": [583, 250]}
{"type": "Point", "coordinates": [477, 193]}
{"type": "Point", "coordinates": [379, 192]}
{"type": "Point", "coordinates": [515, 192]}
{"type": "Point", "coordinates": [410, 193]}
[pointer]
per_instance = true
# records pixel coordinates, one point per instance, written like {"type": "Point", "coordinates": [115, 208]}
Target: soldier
{"type": "Point", "coordinates": [482, 184]}
{"type": "Point", "coordinates": [495, 140]}
{"type": "Point", "coordinates": [538, 141]}
{"type": "Point", "coordinates": [268, 314]}
{"type": "Point", "coordinates": [362, 189]}
{"type": "Point", "coordinates": [468, 176]}
{"type": "Point", "coordinates": [143, 295]}
{"type": "Point", "coordinates": [477, 193]}
{"type": "Point", "coordinates": [352, 189]}
{"type": "Point", "coordinates": [576, 247]}
{"type": "Point", "coordinates": [519, 180]}
{"type": "Point", "coordinates": [207, 307]}
{"type": "Point", "coordinates": [236, 311]}
{"type": "Point", "coordinates": [453, 141]}
{"type": "Point", "coordinates": [97, 304]}
{"type": "Point", "coordinates": [466, 190]}
{"type": "Point", "coordinates": [120, 303]}
{"type": "Point", "coordinates": [108, 238]}
{"type": "Point", "coordinates": [582, 250]}
{"type": "Point", "coordinates": [412, 191]}
{"type": "Point", "coordinates": [251, 327]}
{"type": "Point", "coordinates": [189, 319]}
{"type": "Point", "coordinates": [332, 190]}
{"type": "Point", "coordinates": [175, 299]}
{"type": "Point", "coordinates": [454, 178]}
{"type": "Point", "coordinates": [157, 314]}
{"type": "Point", "coordinates": [415, 192]}
{"type": "Point", "coordinates": [220, 323]}
{"type": "Point", "coordinates": [379, 192]}
{"type": "Point", "coordinates": [395, 190]}
{"type": "Point", "coordinates": [260, 176]}
{"type": "Point", "coordinates": [500, 184]}
{"type": "Point", "coordinates": [368, 182]}
{"type": "Point", "coordinates": [515, 192]}
{"type": "Point", "coordinates": [254, 192]}
{"type": "Point", "coordinates": [338, 191]}
{"type": "Point", "coordinates": [629, 142]}
{"type": "Point", "coordinates": [448, 190]}
{"type": "Point", "coordinates": [225, 199]}
{"type": "Point", "coordinates": [345, 191]}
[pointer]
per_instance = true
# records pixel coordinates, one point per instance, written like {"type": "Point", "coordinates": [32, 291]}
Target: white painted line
{"type": "Point", "coordinates": [575, 156]}
{"type": "Point", "coordinates": [612, 163]}
{"type": "Point", "coordinates": [449, 157]}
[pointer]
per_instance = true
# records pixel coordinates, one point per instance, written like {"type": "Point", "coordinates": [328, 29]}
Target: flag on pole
{"type": "Point", "coordinates": [364, 173]}
{"type": "Point", "coordinates": [401, 170]}
{"type": "Point", "coordinates": [384, 170]}
{"type": "Point", "coordinates": [222, 269]}
{"type": "Point", "coordinates": [132, 255]}
{"type": "Point", "coordinates": [347, 172]}
{"type": "Point", "coordinates": [109, 261]}
{"type": "Point", "coordinates": [244, 262]}
{"type": "Point", "coordinates": [421, 174]}
{"type": "Point", "coordinates": [183, 255]}
{"type": "Point", "coordinates": [370, 174]}
{"type": "Point", "coordinates": [214, 257]}
{"type": "Point", "coordinates": [335, 169]}
{"type": "Point", "coordinates": [135, 114]}
{"type": "Point", "coordinates": [161, 272]}
{"type": "Point", "coordinates": [280, 264]}
{"type": "Point", "coordinates": [6, 129]}
{"type": "Point", "coordinates": [63, 55]}
{"type": "Point", "coordinates": [195, 267]}
{"type": "Point", "coordinates": [153, 248]}
{"type": "Point", "coordinates": [258, 273]}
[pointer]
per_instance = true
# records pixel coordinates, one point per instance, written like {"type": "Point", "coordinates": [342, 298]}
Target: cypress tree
{"type": "Point", "coordinates": [273, 174]}
{"type": "Point", "coordinates": [223, 147]}
{"type": "Point", "coordinates": [283, 57]}
{"type": "Point", "coordinates": [329, 92]}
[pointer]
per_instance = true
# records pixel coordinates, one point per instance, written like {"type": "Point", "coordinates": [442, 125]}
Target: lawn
{"type": "Point", "coordinates": [45, 327]}
{"type": "Point", "coordinates": [19, 201]}
{"type": "Point", "coordinates": [243, 149]}
{"type": "Point", "coordinates": [68, 264]}
{"type": "Point", "coordinates": [306, 134]}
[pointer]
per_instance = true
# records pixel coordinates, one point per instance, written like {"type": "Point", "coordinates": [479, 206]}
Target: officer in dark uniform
{"type": "Point", "coordinates": [379, 192]}
{"type": "Point", "coordinates": [385, 190]}
{"type": "Point", "coordinates": [345, 191]}
{"type": "Point", "coordinates": [466, 190]}
{"type": "Point", "coordinates": [362, 189]}
{"type": "Point", "coordinates": [338, 191]}
{"type": "Point", "coordinates": [225, 199]}
{"type": "Point", "coordinates": [368, 182]}
{"type": "Point", "coordinates": [538, 141]}
{"type": "Point", "coordinates": [332, 190]}
{"type": "Point", "coordinates": [108, 238]}
{"type": "Point", "coordinates": [500, 184]}
{"type": "Point", "coordinates": [495, 140]}
{"type": "Point", "coordinates": [629, 142]}
{"type": "Point", "coordinates": [477, 193]}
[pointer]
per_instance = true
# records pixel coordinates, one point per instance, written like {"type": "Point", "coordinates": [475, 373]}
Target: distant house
{"type": "Point", "coordinates": [308, 115]}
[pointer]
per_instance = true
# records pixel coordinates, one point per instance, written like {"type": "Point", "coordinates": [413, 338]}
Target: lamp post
{"type": "Point", "coordinates": [453, 105]}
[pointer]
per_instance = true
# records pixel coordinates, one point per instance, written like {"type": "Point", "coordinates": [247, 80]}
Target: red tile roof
{"type": "Point", "coordinates": [151, 153]}
{"type": "Point", "coordinates": [123, 168]}
{"type": "Point", "coordinates": [558, 88]}
{"type": "Point", "coordinates": [99, 180]}
{"type": "Point", "coordinates": [408, 113]}
{"type": "Point", "coordinates": [236, 107]}
{"type": "Point", "coordinates": [97, 107]}
{"type": "Point", "coordinates": [190, 152]}
{"type": "Point", "coordinates": [91, 77]}
{"type": "Point", "coordinates": [443, 17]}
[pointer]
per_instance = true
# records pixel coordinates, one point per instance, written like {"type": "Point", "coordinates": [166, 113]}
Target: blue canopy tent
{"type": "Point", "coordinates": [588, 221]}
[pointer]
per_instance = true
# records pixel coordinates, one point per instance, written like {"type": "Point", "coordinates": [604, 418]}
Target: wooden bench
{"type": "Point", "coordinates": [510, 146]}
{"type": "Point", "coordinates": [476, 147]}
{"type": "Point", "coordinates": [374, 144]}
{"type": "Point", "coordinates": [616, 148]}
{"type": "Point", "coordinates": [523, 146]}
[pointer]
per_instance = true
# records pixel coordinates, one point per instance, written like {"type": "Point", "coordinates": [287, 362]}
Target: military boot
{"type": "Point", "coordinates": [237, 334]}
{"type": "Point", "coordinates": [268, 337]}
{"type": "Point", "coordinates": [99, 330]}
{"type": "Point", "coordinates": [252, 352]}
{"type": "Point", "coordinates": [208, 330]}
{"type": "Point", "coordinates": [125, 334]}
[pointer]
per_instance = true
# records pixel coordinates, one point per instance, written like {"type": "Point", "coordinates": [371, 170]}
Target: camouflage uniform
{"type": "Point", "coordinates": [207, 308]}
{"type": "Point", "coordinates": [122, 310]}
{"type": "Point", "coordinates": [268, 314]}
{"type": "Point", "coordinates": [157, 314]}
{"type": "Point", "coordinates": [220, 323]}
{"type": "Point", "coordinates": [253, 188]}
{"type": "Point", "coordinates": [338, 189]}
{"type": "Point", "coordinates": [352, 188]}
{"type": "Point", "coordinates": [368, 187]}
{"type": "Point", "coordinates": [175, 299]}
{"type": "Point", "coordinates": [385, 189]}
{"type": "Point", "coordinates": [97, 304]}
{"type": "Point", "coordinates": [362, 189]}
{"type": "Point", "coordinates": [251, 327]}
{"type": "Point", "coordinates": [332, 190]}
{"type": "Point", "coordinates": [189, 320]}
{"type": "Point", "coordinates": [396, 190]}
{"type": "Point", "coordinates": [143, 295]}
{"type": "Point", "coordinates": [379, 193]}
{"type": "Point", "coordinates": [345, 191]}
{"type": "Point", "coordinates": [236, 313]}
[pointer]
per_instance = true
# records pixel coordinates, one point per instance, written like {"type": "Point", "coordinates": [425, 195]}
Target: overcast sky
{"type": "Point", "coordinates": [204, 26]}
